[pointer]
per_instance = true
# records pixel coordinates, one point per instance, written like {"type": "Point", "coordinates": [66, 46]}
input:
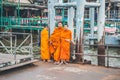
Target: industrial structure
{"type": "Point", "coordinates": [23, 17]}
{"type": "Point", "coordinates": [16, 47]}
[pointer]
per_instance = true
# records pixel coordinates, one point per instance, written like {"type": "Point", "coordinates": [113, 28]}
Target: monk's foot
{"type": "Point", "coordinates": [44, 60]}
{"type": "Point", "coordinates": [61, 63]}
{"type": "Point", "coordinates": [65, 62]}
{"type": "Point", "coordinates": [56, 63]}
{"type": "Point", "coordinates": [49, 61]}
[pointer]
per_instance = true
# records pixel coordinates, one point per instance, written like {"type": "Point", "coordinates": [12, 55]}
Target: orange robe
{"type": "Point", "coordinates": [65, 45]}
{"type": "Point", "coordinates": [44, 44]}
{"type": "Point", "coordinates": [55, 38]}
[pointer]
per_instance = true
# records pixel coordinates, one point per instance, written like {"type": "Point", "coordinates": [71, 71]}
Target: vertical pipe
{"type": "Point", "coordinates": [71, 13]}
{"type": "Point", "coordinates": [31, 44]}
{"type": "Point", "coordinates": [38, 37]}
{"type": "Point", "coordinates": [1, 8]}
{"type": "Point", "coordinates": [107, 56]}
{"type": "Point", "coordinates": [92, 17]}
{"type": "Point", "coordinates": [15, 45]}
{"type": "Point", "coordinates": [18, 12]}
{"type": "Point", "coordinates": [79, 28]}
{"type": "Point", "coordinates": [11, 43]}
{"type": "Point", "coordinates": [63, 13]}
{"type": "Point", "coordinates": [101, 36]}
{"type": "Point", "coordinates": [51, 15]}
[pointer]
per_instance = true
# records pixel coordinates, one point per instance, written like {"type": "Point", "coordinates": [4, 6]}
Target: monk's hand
{"type": "Point", "coordinates": [68, 40]}
{"type": "Point", "coordinates": [73, 42]}
{"type": "Point", "coordinates": [50, 42]}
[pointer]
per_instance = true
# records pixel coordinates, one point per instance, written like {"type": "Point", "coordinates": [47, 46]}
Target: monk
{"type": "Point", "coordinates": [45, 55]}
{"type": "Point", "coordinates": [55, 42]}
{"type": "Point", "coordinates": [66, 37]}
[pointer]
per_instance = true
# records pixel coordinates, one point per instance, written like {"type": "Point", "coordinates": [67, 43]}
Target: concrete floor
{"type": "Point", "coordinates": [49, 71]}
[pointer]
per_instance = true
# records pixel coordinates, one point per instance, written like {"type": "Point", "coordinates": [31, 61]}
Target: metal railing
{"type": "Point", "coordinates": [111, 59]}
{"type": "Point", "coordinates": [23, 22]}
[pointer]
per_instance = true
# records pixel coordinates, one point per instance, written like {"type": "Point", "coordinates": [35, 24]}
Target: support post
{"type": "Point", "coordinates": [11, 45]}
{"type": "Point", "coordinates": [79, 28]}
{"type": "Point", "coordinates": [1, 10]}
{"type": "Point", "coordinates": [18, 12]}
{"type": "Point", "coordinates": [92, 17]}
{"type": "Point", "coordinates": [51, 16]}
{"type": "Point", "coordinates": [101, 23]}
{"type": "Point", "coordinates": [63, 13]}
{"type": "Point", "coordinates": [39, 38]}
{"type": "Point", "coordinates": [71, 13]}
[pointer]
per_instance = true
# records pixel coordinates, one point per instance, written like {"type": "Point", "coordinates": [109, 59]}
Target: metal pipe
{"type": "Point", "coordinates": [107, 57]}
{"type": "Point", "coordinates": [18, 12]}
{"type": "Point", "coordinates": [21, 44]}
{"type": "Point", "coordinates": [92, 17]}
{"type": "Point", "coordinates": [79, 27]}
{"type": "Point", "coordinates": [11, 46]}
{"type": "Point", "coordinates": [74, 4]}
{"type": "Point", "coordinates": [63, 13]}
{"type": "Point", "coordinates": [38, 37]}
{"type": "Point", "coordinates": [13, 33]}
{"type": "Point", "coordinates": [71, 13]}
{"type": "Point", "coordinates": [5, 47]}
{"type": "Point", "coordinates": [101, 33]}
{"type": "Point", "coordinates": [90, 54]}
{"type": "Point", "coordinates": [1, 12]}
{"type": "Point", "coordinates": [92, 4]}
{"type": "Point", "coordinates": [101, 22]}
{"type": "Point", "coordinates": [15, 46]}
{"type": "Point", "coordinates": [31, 44]}
{"type": "Point", "coordinates": [51, 15]}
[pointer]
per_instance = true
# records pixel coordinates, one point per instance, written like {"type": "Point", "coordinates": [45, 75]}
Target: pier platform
{"type": "Point", "coordinates": [8, 61]}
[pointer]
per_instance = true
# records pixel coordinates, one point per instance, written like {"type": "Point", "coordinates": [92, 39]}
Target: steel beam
{"type": "Point", "coordinates": [74, 4]}
{"type": "Point", "coordinates": [31, 44]}
{"type": "Point", "coordinates": [51, 15]}
{"type": "Point", "coordinates": [101, 22]}
{"type": "Point", "coordinates": [79, 27]}
{"type": "Point", "coordinates": [71, 13]}
{"type": "Point", "coordinates": [22, 43]}
{"type": "Point", "coordinates": [92, 4]}
{"type": "Point", "coordinates": [1, 10]}
{"type": "Point", "coordinates": [101, 34]}
{"type": "Point", "coordinates": [92, 17]}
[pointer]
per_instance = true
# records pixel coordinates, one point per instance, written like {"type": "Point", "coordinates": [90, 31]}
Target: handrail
{"type": "Point", "coordinates": [28, 23]}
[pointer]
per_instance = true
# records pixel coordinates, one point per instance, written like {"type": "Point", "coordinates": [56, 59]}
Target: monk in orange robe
{"type": "Point", "coordinates": [66, 37]}
{"type": "Point", "coordinates": [45, 55]}
{"type": "Point", "coordinates": [55, 42]}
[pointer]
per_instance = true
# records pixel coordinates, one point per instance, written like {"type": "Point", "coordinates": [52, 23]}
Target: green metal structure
{"type": "Point", "coordinates": [19, 22]}
{"type": "Point", "coordinates": [16, 49]}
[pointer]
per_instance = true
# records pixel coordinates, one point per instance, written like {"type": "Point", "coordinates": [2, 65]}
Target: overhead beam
{"type": "Point", "coordinates": [92, 4]}
{"type": "Point", "coordinates": [115, 0]}
{"type": "Point", "coordinates": [73, 4]}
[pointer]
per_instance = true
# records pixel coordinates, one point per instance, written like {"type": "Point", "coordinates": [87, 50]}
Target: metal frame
{"type": "Point", "coordinates": [107, 56]}
{"type": "Point", "coordinates": [20, 59]}
{"type": "Point", "coordinates": [16, 47]}
{"type": "Point", "coordinates": [80, 6]}
{"type": "Point", "coordinates": [9, 58]}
